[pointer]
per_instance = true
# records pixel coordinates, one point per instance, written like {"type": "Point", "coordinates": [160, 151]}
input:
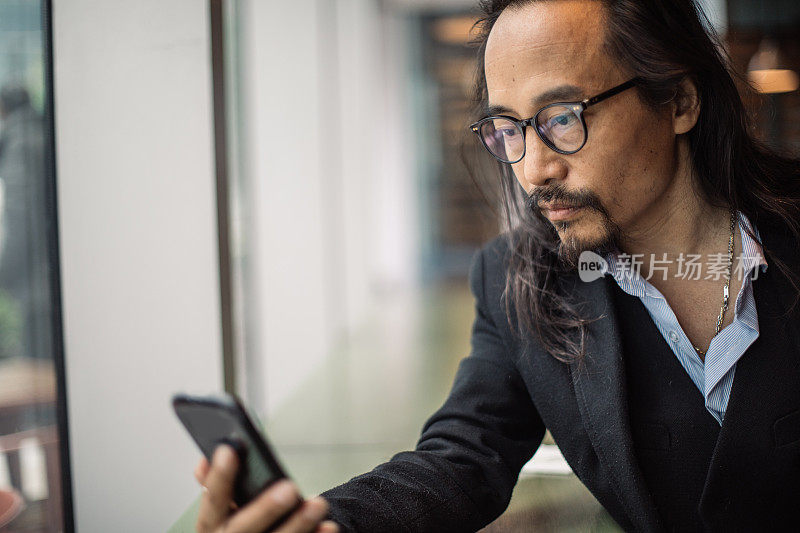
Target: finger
{"type": "Point", "coordinates": [216, 500]}
{"type": "Point", "coordinates": [328, 526]}
{"type": "Point", "coordinates": [280, 498]}
{"type": "Point", "coordinates": [306, 519]}
{"type": "Point", "coordinates": [201, 470]}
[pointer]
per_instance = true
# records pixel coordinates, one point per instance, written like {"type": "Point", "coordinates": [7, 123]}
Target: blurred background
{"type": "Point", "coordinates": [260, 197]}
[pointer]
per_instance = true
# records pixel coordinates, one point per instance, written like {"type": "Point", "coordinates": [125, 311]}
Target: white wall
{"type": "Point", "coordinates": [138, 250]}
{"type": "Point", "coordinates": [323, 153]}
{"type": "Point", "coordinates": [379, 196]}
{"type": "Point", "coordinates": [281, 152]}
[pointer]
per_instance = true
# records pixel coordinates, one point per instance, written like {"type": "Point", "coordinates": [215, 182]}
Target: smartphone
{"type": "Point", "coordinates": [214, 420]}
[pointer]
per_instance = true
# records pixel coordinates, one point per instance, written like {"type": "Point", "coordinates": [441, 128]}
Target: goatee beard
{"type": "Point", "coordinates": [570, 248]}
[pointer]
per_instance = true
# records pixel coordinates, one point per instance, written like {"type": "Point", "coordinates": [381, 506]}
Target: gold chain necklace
{"type": "Point", "coordinates": [722, 310]}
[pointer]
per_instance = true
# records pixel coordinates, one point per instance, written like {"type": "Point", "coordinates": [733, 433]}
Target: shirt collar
{"type": "Point", "coordinates": [752, 252]}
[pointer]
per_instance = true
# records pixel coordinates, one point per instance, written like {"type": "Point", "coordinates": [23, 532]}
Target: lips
{"type": "Point", "coordinates": [554, 207]}
{"type": "Point", "coordinates": [557, 212]}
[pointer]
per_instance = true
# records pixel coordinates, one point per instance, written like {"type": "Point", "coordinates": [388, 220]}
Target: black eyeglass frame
{"type": "Point", "coordinates": [577, 107]}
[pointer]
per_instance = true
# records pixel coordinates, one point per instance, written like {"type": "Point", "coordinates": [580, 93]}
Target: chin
{"type": "Point", "coordinates": [574, 240]}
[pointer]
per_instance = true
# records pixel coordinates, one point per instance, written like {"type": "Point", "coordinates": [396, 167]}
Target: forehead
{"type": "Point", "coordinates": [545, 44]}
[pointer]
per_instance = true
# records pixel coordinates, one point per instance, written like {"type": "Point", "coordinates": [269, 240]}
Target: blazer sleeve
{"type": "Point", "coordinates": [467, 460]}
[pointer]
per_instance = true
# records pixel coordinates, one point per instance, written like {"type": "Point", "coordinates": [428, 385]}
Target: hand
{"type": "Point", "coordinates": [216, 507]}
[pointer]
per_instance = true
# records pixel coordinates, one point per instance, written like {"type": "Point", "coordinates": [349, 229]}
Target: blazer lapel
{"type": "Point", "coordinates": [602, 399]}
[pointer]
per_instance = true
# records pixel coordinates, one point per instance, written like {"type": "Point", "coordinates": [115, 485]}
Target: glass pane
{"type": "Point", "coordinates": [30, 479]}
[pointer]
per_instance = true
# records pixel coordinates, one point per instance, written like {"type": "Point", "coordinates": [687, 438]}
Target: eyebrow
{"type": "Point", "coordinates": [562, 92]}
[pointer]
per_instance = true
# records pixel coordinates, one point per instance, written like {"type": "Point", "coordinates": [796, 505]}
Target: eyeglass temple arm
{"type": "Point", "coordinates": [609, 93]}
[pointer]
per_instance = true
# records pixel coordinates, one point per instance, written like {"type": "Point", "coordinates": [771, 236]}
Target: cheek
{"type": "Point", "coordinates": [625, 191]}
{"type": "Point", "coordinates": [630, 134]}
{"type": "Point", "coordinates": [632, 165]}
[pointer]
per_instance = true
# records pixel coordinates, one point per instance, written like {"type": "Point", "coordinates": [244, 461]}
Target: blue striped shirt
{"type": "Point", "coordinates": [714, 378]}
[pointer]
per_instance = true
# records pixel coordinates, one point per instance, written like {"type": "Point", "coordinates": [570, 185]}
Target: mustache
{"type": "Point", "coordinates": [559, 195]}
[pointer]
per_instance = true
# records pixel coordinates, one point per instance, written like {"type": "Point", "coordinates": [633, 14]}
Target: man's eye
{"type": "Point", "coordinates": [508, 132]}
{"type": "Point", "coordinates": [566, 119]}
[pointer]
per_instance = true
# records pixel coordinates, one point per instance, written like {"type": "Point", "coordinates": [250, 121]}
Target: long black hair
{"type": "Point", "coordinates": [660, 42]}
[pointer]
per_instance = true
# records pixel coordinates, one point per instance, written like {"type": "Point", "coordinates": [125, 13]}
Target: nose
{"type": "Point", "coordinates": [540, 164]}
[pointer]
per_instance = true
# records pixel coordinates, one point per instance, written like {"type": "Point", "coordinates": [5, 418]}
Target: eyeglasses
{"type": "Point", "coordinates": [560, 125]}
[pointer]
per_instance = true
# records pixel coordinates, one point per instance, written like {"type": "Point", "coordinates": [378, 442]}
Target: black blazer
{"type": "Point", "coordinates": [507, 391]}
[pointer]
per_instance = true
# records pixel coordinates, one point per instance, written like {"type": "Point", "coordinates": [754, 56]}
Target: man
{"type": "Point", "coordinates": [619, 132]}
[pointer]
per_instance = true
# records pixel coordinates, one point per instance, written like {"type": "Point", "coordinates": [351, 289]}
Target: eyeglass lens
{"type": "Point", "coordinates": [560, 126]}
{"type": "Point", "coordinates": [503, 139]}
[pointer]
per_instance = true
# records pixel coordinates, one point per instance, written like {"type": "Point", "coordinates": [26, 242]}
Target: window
{"type": "Point", "coordinates": [31, 472]}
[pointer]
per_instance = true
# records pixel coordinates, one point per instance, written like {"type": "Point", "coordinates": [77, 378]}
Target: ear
{"type": "Point", "coordinates": [685, 106]}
